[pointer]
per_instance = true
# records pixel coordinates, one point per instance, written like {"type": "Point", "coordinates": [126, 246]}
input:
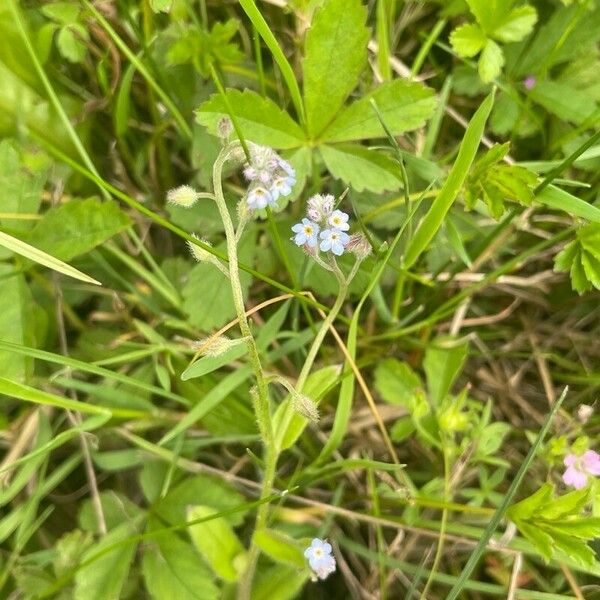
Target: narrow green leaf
{"type": "Point", "coordinates": [557, 198]}
{"type": "Point", "coordinates": [433, 220]}
{"type": "Point", "coordinates": [36, 255]}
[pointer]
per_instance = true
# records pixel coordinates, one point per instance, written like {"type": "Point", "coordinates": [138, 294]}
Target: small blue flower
{"type": "Point", "coordinates": [339, 220]}
{"type": "Point", "coordinates": [287, 168]}
{"type": "Point", "coordinates": [320, 559]}
{"type": "Point", "coordinates": [258, 198]}
{"type": "Point", "coordinates": [282, 186]}
{"type": "Point", "coordinates": [306, 233]}
{"type": "Point", "coordinates": [334, 240]}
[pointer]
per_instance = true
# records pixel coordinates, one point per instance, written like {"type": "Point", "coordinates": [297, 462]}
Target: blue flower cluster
{"type": "Point", "coordinates": [323, 223]}
{"type": "Point", "coordinates": [320, 559]}
{"type": "Point", "coordinates": [270, 177]}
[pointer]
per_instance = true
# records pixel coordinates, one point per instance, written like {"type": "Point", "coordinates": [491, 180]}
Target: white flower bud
{"type": "Point", "coordinates": [184, 196]}
{"type": "Point", "coordinates": [216, 346]}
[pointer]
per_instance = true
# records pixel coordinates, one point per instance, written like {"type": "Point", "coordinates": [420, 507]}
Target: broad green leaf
{"type": "Point", "coordinates": [77, 227]}
{"type": "Point", "coordinates": [396, 382]}
{"type": "Point", "coordinates": [62, 12]}
{"type": "Point", "coordinates": [587, 528]}
{"type": "Point", "coordinates": [526, 508]}
{"type": "Point", "coordinates": [491, 61]}
{"type": "Point", "coordinates": [361, 168]}
{"type": "Point", "coordinates": [566, 102]}
{"type": "Point", "coordinates": [173, 569]}
{"type": "Point", "coordinates": [317, 385]}
{"type": "Point", "coordinates": [517, 24]}
{"type": "Point", "coordinates": [207, 293]}
{"type": "Point", "coordinates": [217, 543]}
{"type": "Point", "coordinates": [260, 119]}
{"type": "Point", "coordinates": [489, 13]}
{"type": "Point", "coordinates": [434, 218]}
{"type": "Point", "coordinates": [541, 541]}
{"type": "Point", "coordinates": [116, 507]}
{"type": "Point", "coordinates": [468, 40]}
{"type": "Point", "coordinates": [442, 365]}
{"type": "Point", "coordinates": [17, 324]}
{"type": "Point", "coordinates": [582, 258]}
{"type": "Point", "coordinates": [20, 189]}
{"type": "Point", "coordinates": [280, 547]}
{"type": "Point", "coordinates": [161, 5]}
{"type": "Point", "coordinates": [200, 489]}
{"type": "Point", "coordinates": [281, 582]}
{"type": "Point", "coordinates": [36, 255]}
{"type": "Point", "coordinates": [404, 106]}
{"type": "Point", "coordinates": [104, 578]}
{"type": "Point", "coordinates": [334, 57]}
{"type": "Point", "coordinates": [565, 505]}
{"type": "Point", "coordinates": [575, 549]}
{"type": "Point", "coordinates": [70, 43]}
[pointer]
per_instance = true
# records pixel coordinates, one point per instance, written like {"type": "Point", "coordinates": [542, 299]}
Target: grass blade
{"type": "Point", "coordinates": [38, 256]}
{"type": "Point", "coordinates": [432, 221]}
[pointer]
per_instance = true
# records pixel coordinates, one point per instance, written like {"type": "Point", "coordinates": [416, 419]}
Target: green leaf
{"type": "Point", "coordinates": [316, 386]}
{"type": "Point", "coordinates": [468, 40]}
{"type": "Point", "coordinates": [526, 508]}
{"type": "Point", "coordinates": [217, 543]}
{"type": "Point", "coordinates": [489, 14]}
{"type": "Point", "coordinates": [443, 364]}
{"type": "Point", "coordinates": [62, 12]}
{"type": "Point", "coordinates": [335, 56]}
{"type": "Point", "coordinates": [404, 106]}
{"type": "Point", "coordinates": [280, 582]}
{"type": "Point", "coordinates": [559, 199]}
{"type": "Point", "coordinates": [575, 549]}
{"type": "Point", "coordinates": [77, 227]}
{"type": "Point", "coordinates": [260, 119]}
{"type": "Point", "coordinates": [582, 258]}
{"type": "Point", "coordinates": [564, 101]}
{"type": "Point", "coordinates": [565, 505]}
{"type": "Point", "coordinates": [492, 438]}
{"type": "Point", "coordinates": [491, 61]}
{"type": "Point", "coordinates": [19, 247]}
{"type": "Point", "coordinates": [17, 324]}
{"type": "Point", "coordinates": [587, 528]}
{"type": "Point", "coordinates": [361, 168]}
{"type": "Point", "coordinates": [396, 382]}
{"type": "Point", "coordinates": [434, 218]}
{"type": "Point", "coordinates": [173, 569]}
{"type": "Point", "coordinates": [517, 24]}
{"type": "Point", "coordinates": [70, 43]}
{"type": "Point", "coordinates": [541, 541]}
{"type": "Point", "coordinates": [161, 5]}
{"type": "Point", "coordinates": [104, 578]}
{"type": "Point", "coordinates": [280, 547]}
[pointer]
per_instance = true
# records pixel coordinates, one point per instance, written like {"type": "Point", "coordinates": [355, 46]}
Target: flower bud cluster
{"type": "Point", "coordinates": [270, 177]}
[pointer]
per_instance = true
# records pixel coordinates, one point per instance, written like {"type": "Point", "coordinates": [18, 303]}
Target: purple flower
{"type": "Point", "coordinates": [306, 233]}
{"type": "Point", "coordinates": [258, 198]}
{"type": "Point", "coordinates": [529, 82]}
{"type": "Point", "coordinates": [339, 220]}
{"type": "Point", "coordinates": [320, 558]}
{"type": "Point", "coordinates": [334, 240]}
{"type": "Point", "coordinates": [579, 468]}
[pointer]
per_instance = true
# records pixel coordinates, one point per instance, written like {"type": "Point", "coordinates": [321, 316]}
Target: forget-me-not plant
{"type": "Point", "coordinates": [320, 558]}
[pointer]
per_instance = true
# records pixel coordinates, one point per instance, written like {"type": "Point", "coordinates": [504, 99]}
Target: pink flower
{"type": "Point", "coordinates": [579, 468]}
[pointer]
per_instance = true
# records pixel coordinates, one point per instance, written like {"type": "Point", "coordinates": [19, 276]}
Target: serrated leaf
{"type": "Point", "coordinates": [260, 119]}
{"type": "Point", "coordinates": [517, 24]}
{"type": "Point", "coordinates": [280, 547]}
{"type": "Point", "coordinates": [217, 543]}
{"type": "Point", "coordinates": [541, 541]}
{"type": "Point", "coordinates": [468, 40]}
{"type": "Point", "coordinates": [527, 507]}
{"type": "Point", "coordinates": [565, 505]}
{"type": "Point", "coordinates": [361, 168]}
{"type": "Point", "coordinates": [575, 549]}
{"type": "Point", "coordinates": [587, 528]}
{"type": "Point", "coordinates": [396, 382]}
{"type": "Point", "coordinates": [77, 227]}
{"type": "Point", "coordinates": [491, 61]}
{"type": "Point", "coordinates": [591, 267]}
{"type": "Point", "coordinates": [403, 105]}
{"type": "Point", "coordinates": [334, 57]}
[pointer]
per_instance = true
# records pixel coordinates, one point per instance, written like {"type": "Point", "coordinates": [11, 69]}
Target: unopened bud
{"type": "Point", "coordinates": [584, 412]}
{"type": "Point", "coordinates": [305, 406]}
{"type": "Point", "coordinates": [184, 196]}
{"type": "Point", "coordinates": [359, 245]}
{"type": "Point", "coordinates": [199, 253]}
{"type": "Point", "coordinates": [216, 346]}
{"type": "Point", "coordinates": [225, 128]}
